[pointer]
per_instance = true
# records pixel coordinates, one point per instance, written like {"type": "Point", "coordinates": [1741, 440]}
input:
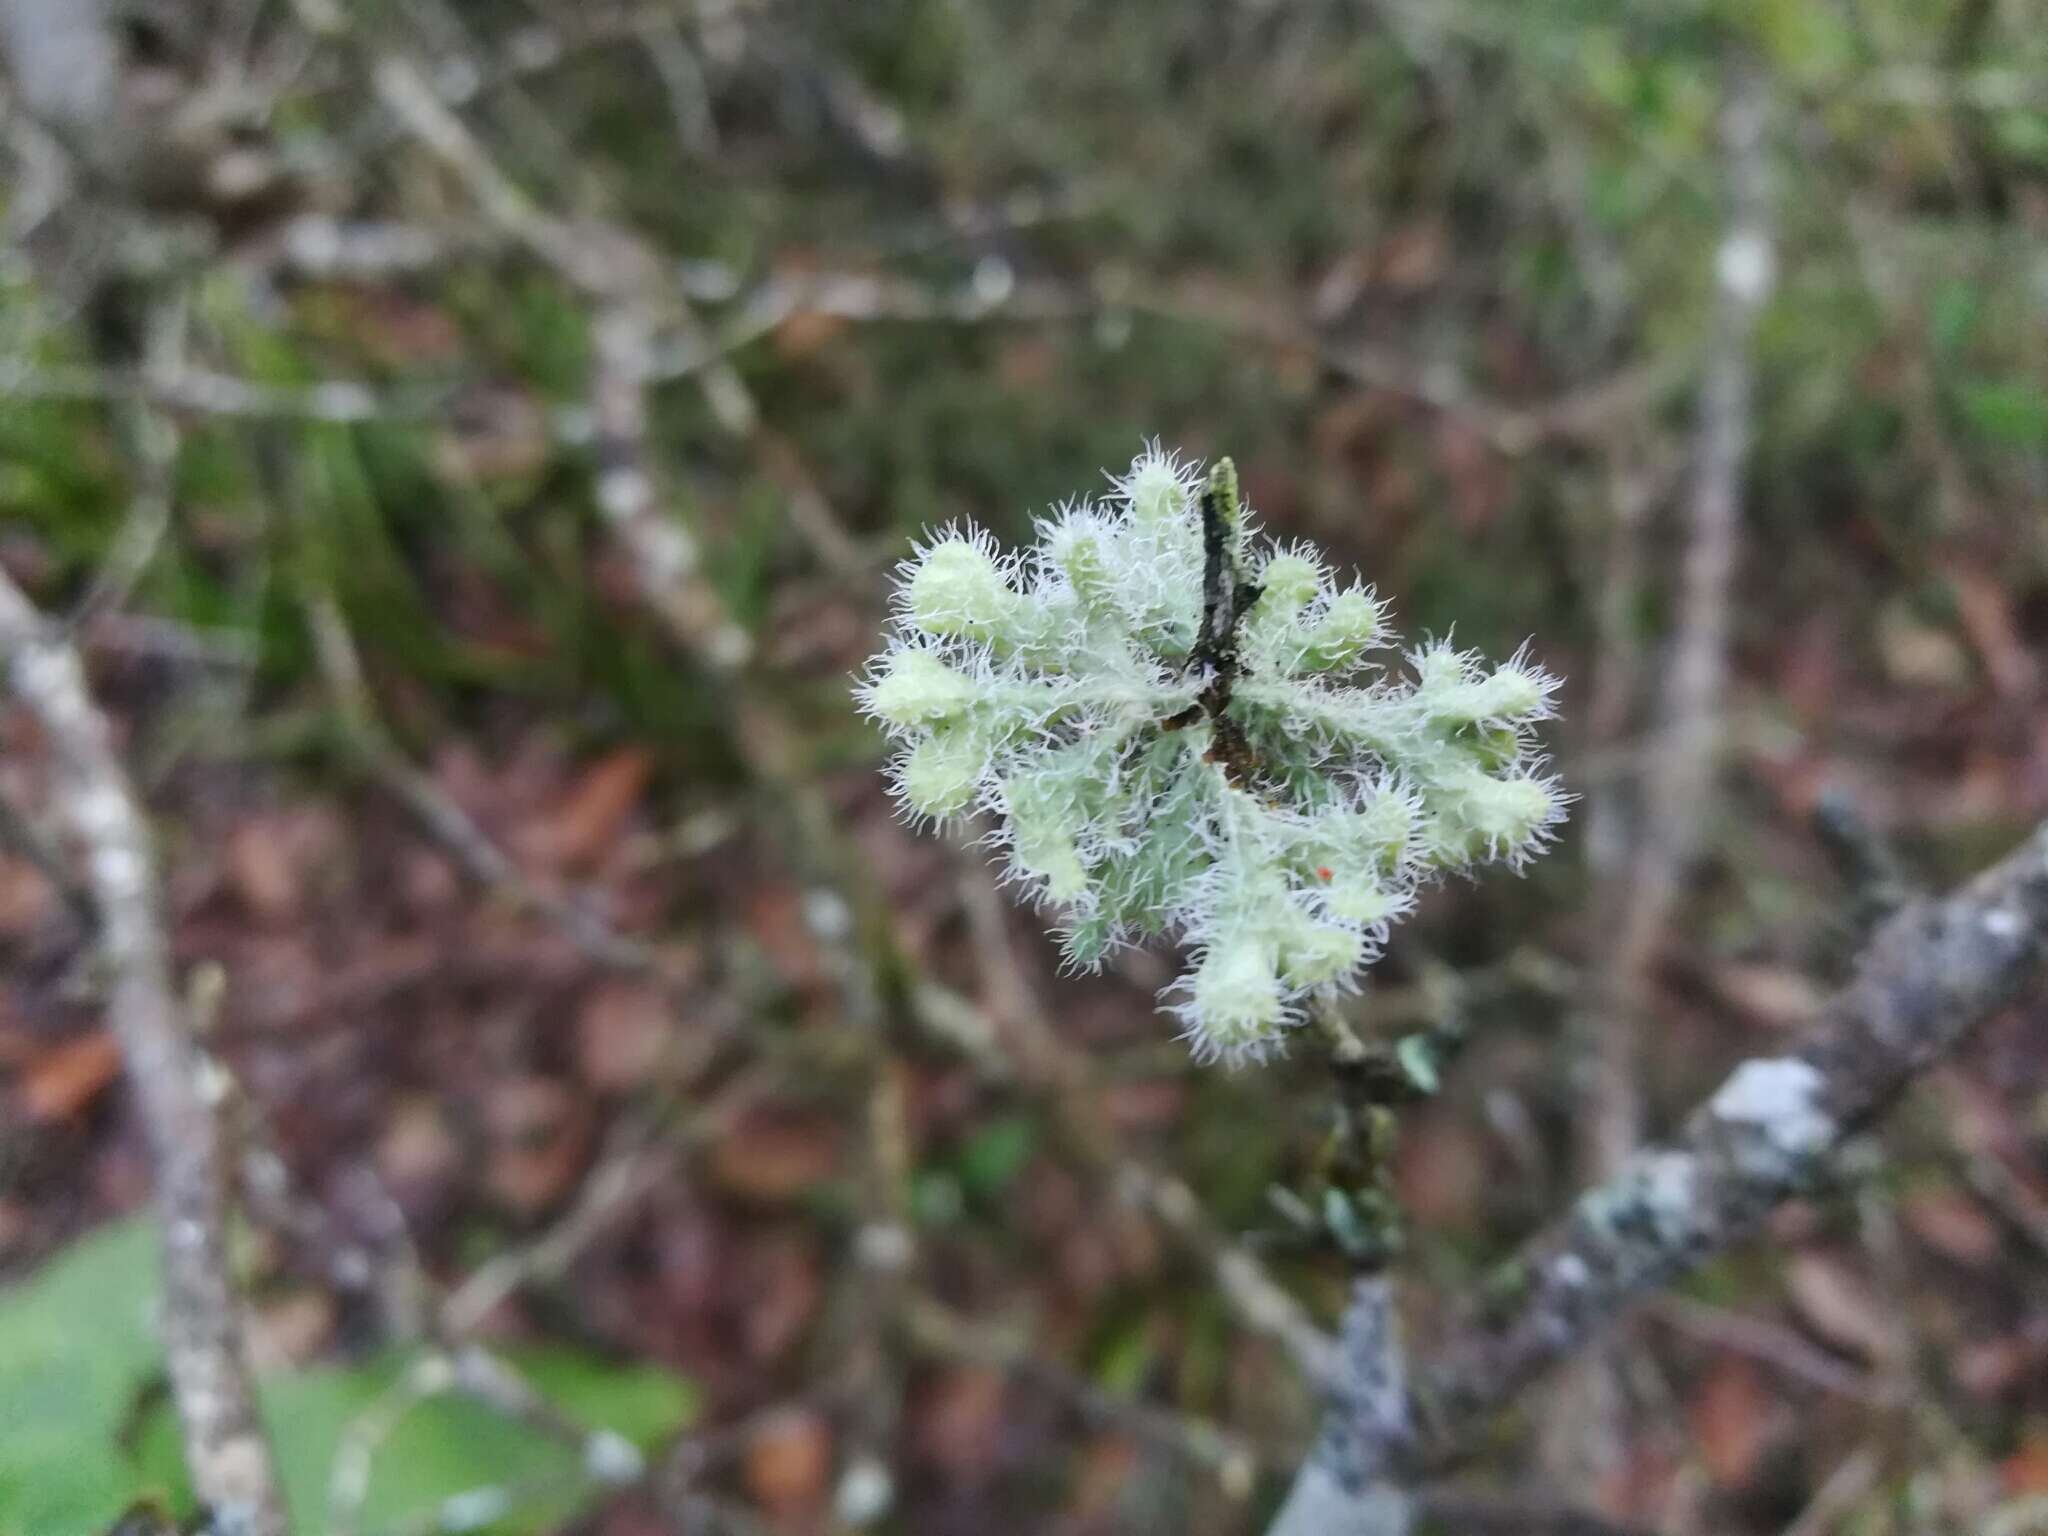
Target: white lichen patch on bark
{"type": "Point", "coordinates": [1779, 1098]}
{"type": "Point", "coordinates": [1651, 1205]}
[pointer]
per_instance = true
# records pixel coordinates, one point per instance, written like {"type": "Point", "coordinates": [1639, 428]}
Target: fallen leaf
{"type": "Point", "coordinates": [2025, 1471]}
{"type": "Point", "coordinates": [956, 1420]}
{"type": "Point", "coordinates": [789, 1464]}
{"type": "Point", "coordinates": [806, 331]}
{"type": "Point", "coordinates": [780, 1288]}
{"type": "Point", "coordinates": [1836, 1303]}
{"type": "Point", "coordinates": [1441, 1171]}
{"type": "Point", "coordinates": [417, 1151]}
{"type": "Point", "coordinates": [272, 860]}
{"type": "Point", "coordinates": [1106, 1467]}
{"type": "Point", "coordinates": [775, 1155]}
{"type": "Point", "coordinates": [1412, 257]}
{"type": "Point", "coordinates": [1952, 1224]}
{"type": "Point", "coordinates": [1986, 611]}
{"type": "Point", "coordinates": [26, 898]}
{"type": "Point", "coordinates": [260, 872]}
{"type": "Point", "coordinates": [63, 1080]}
{"type": "Point", "coordinates": [588, 819]}
{"type": "Point", "coordinates": [1772, 995]}
{"type": "Point", "coordinates": [291, 1331]}
{"type": "Point", "coordinates": [621, 1030]}
{"type": "Point", "coordinates": [1728, 1416]}
{"type": "Point", "coordinates": [540, 1135]}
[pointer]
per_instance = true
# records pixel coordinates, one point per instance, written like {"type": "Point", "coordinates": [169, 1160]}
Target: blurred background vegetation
{"type": "Point", "coordinates": [760, 1131]}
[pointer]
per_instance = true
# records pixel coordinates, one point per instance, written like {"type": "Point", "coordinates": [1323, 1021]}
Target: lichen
{"type": "Point", "coordinates": [1173, 727]}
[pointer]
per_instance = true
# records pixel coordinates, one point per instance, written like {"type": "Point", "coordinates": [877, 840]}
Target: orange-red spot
{"type": "Point", "coordinates": [1324, 872]}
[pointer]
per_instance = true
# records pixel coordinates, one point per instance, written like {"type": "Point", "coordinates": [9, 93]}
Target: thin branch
{"type": "Point", "coordinates": [152, 440]}
{"type": "Point", "coordinates": [1846, 1487]}
{"type": "Point", "coordinates": [205, 393]}
{"type": "Point", "coordinates": [1025, 1048]}
{"type": "Point", "coordinates": [1680, 770]}
{"type": "Point", "coordinates": [1930, 976]}
{"type": "Point", "coordinates": [1775, 1345]}
{"type": "Point", "coordinates": [993, 293]}
{"type": "Point", "coordinates": [1345, 1487]}
{"type": "Point", "coordinates": [454, 828]}
{"type": "Point", "coordinates": [647, 1153]}
{"type": "Point", "coordinates": [1641, 862]}
{"type": "Point", "coordinates": [204, 1346]}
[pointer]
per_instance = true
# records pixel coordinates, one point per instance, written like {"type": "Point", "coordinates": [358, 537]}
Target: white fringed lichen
{"type": "Point", "coordinates": [1177, 728]}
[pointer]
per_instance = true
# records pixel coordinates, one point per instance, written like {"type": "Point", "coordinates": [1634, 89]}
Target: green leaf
{"type": "Point", "coordinates": [77, 1348]}
{"type": "Point", "coordinates": [2012, 411]}
{"type": "Point", "coordinates": [1418, 1059]}
{"type": "Point", "coordinates": [450, 1446]}
{"type": "Point", "coordinates": [991, 1161]}
{"type": "Point", "coordinates": [1952, 316]}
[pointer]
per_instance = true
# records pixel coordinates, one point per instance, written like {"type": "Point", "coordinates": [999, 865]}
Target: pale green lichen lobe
{"type": "Point", "coordinates": [1273, 801]}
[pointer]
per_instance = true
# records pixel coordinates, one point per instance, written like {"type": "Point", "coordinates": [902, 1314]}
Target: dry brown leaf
{"type": "Point", "coordinates": [807, 331]}
{"type": "Point", "coordinates": [26, 898]}
{"type": "Point", "coordinates": [1835, 1302]}
{"type": "Point", "coordinates": [1106, 1468]}
{"type": "Point", "coordinates": [775, 917]}
{"type": "Point", "coordinates": [417, 1150]}
{"type": "Point", "coordinates": [540, 1132]}
{"type": "Point", "coordinates": [1952, 1224]}
{"type": "Point", "coordinates": [2025, 1471]}
{"type": "Point", "coordinates": [956, 1420]}
{"type": "Point", "coordinates": [789, 1464]}
{"type": "Point", "coordinates": [1729, 1417]}
{"type": "Point", "coordinates": [273, 859]}
{"type": "Point", "coordinates": [775, 1155]}
{"type": "Point", "coordinates": [292, 1330]}
{"type": "Point", "coordinates": [63, 1080]}
{"type": "Point", "coordinates": [260, 871]}
{"type": "Point", "coordinates": [781, 1287]}
{"type": "Point", "coordinates": [587, 821]}
{"type": "Point", "coordinates": [1986, 612]}
{"type": "Point", "coordinates": [1412, 257]}
{"type": "Point", "coordinates": [621, 1031]}
{"type": "Point", "coordinates": [1773, 995]}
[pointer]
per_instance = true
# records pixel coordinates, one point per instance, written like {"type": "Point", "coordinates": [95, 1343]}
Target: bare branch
{"type": "Point", "coordinates": [205, 393]}
{"type": "Point", "coordinates": [230, 1461]}
{"type": "Point", "coordinates": [1344, 1488]}
{"type": "Point", "coordinates": [431, 805]}
{"type": "Point", "coordinates": [1640, 862]}
{"type": "Point", "coordinates": [1930, 976]}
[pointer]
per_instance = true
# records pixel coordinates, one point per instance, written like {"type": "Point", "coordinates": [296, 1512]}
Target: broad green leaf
{"type": "Point", "coordinates": [508, 1479]}
{"type": "Point", "coordinates": [77, 1348]}
{"type": "Point", "coordinates": [81, 1436]}
{"type": "Point", "coordinates": [2012, 411]}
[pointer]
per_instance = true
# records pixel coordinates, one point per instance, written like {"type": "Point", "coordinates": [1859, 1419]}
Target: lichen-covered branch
{"type": "Point", "coordinates": [1344, 1488]}
{"type": "Point", "coordinates": [1932, 974]}
{"type": "Point", "coordinates": [230, 1461]}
